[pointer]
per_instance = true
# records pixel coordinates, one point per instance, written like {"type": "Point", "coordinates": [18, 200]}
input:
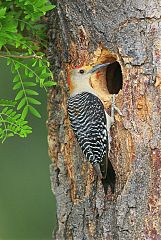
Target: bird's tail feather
{"type": "Point", "coordinates": [108, 175]}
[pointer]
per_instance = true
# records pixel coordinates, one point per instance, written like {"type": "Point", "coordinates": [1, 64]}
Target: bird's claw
{"type": "Point", "coordinates": [118, 110]}
{"type": "Point", "coordinates": [113, 108]}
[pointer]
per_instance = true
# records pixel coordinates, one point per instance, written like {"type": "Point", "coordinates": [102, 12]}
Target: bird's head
{"type": "Point", "coordinates": [80, 75]}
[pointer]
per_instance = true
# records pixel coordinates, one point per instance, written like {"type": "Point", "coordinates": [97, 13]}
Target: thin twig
{"type": "Point", "coordinates": [20, 56]}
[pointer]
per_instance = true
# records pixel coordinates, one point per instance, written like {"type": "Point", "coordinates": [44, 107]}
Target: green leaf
{"type": "Point", "coordinates": [46, 75]}
{"type": "Point", "coordinates": [19, 95]}
{"type": "Point", "coordinates": [9, 24]}
{"type": "Point", "coordinates": [31, 92]}
{"type": "Point", "coordinates": [30, 51]}
{"type": "Point", "coordinates": [17, 66]}
{"type": "Point", "coordinates": [9, 61]}
{"type": "Point", "coordinates": [33, 65]}
{"type": "Point", "coordinates": [25, 112]}
{"type": "Point", "coordinates": [10, 135]}
{"type": "Point", "coordinates": [31, 74]}
{"type": "Point", "coordinates": [17, 86]}
{"type": "Point", "coordinates": [2, 12]}
{"type": "Point", "coordinates": [33, 101]}
{"type": "Point", "coordinates": [4, 102]}
{"type": "Point", "coordinates": [26, 71]}
{"type": "Point", "coordinates": [49, 84]}
{"type": "Point", "coordinates": [22, 26]}
{"type": "Point", "coordinates": [47, 8]}
{"type": "Point", "coordinates": [5, 110]}
{"type": "Point", "coordinates": [9, 111]}
{"type": "Point", "coordinates": [17, 44]}
{"type": "Point", "coordinates": [40, 63]}
{"type": "Point", "coordinates": [29, 84]}
{"type": "Point", "coordinates": [13, 114]}
{"type": "Point", "coordinates": [16, 78]}
{"type": "Point", "coordinates": [34, 112]}
{"type": "Point", "coordinates": [21, 104]}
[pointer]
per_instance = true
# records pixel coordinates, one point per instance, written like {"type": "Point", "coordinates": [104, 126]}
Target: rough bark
{"type": "Point", "coordinates": [129, 31]}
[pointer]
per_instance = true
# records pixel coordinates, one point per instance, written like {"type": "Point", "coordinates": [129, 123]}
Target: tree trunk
{"type": "Point", "coordinates": [85, 33]}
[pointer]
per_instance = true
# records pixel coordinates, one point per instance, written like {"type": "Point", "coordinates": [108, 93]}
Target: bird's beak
{"type": "Point", "coordinates": [98, 67]}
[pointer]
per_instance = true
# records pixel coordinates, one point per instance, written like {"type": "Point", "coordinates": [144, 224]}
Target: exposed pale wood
{"type": "Point", "coordinates": [130, 32]}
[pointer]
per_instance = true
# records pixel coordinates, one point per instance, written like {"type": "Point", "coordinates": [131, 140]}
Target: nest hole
{"type": "Point", "coordinates": [108, 80]}
{"type": "Point", "coordinates": [114, 79]}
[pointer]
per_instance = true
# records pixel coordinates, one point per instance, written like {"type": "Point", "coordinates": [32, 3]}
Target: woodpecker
{"type": "Point", "coordinates": [90, 122]}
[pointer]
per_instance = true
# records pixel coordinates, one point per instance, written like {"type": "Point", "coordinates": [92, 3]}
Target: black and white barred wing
{"type": "Point", "coordinates": [88, 121]}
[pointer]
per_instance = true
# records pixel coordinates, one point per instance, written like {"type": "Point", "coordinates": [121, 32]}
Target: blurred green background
{"type": "Point", "coordinates": [27, 205]}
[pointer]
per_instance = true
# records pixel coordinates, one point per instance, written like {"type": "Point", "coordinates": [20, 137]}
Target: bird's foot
{"type": "Point", "coordinates": [109, 142]}
{"type": "Point", "coordinates": [113, 108]}
{"type": "Point", "coordinates": [118, 110]}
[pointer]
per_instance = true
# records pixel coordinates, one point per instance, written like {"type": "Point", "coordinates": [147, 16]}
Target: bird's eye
{"type": "Point", "coordinates": [81, 71]}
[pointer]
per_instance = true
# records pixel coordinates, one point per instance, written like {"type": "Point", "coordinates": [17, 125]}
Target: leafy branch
{"type": "Point", "coordinates": [12, 124]}
{"type": "Point", "coordinates": [23, 44]}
